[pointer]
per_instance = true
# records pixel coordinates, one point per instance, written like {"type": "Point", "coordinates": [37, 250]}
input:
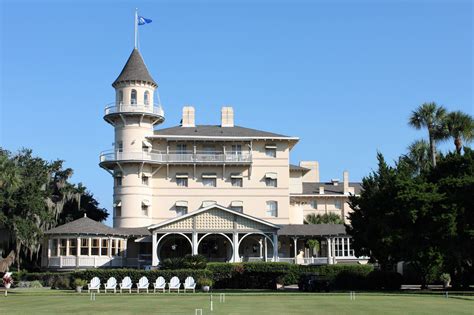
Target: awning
{"type": "Point", "coordinates": [271, 175]}
{"type": "Point", "coordinates": [208, 203]}
{"type": "Point", "coordinates": [118, 203]}
{"type": "Point", "coordinates": [147, 144]}
{"type": "Point", "coordinates": [146, 203]}
{"type": "Point", "coordinates": [181, 203]}
{"type": "Point", "coordinates": [236, 176]}
{"type": "Point", "coordinates": [182, 175]}
{"type": "Point", "coordinates": [237, 203]}
{"type": "Point", "coordinates": [270, 146]}
{"type": "Point", "coordinates": [118, 174]}
{"type": "Point", "coordinates": [213, 175]}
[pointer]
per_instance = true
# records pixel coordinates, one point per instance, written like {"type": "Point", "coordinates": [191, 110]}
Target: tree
{"type": "Point", "coordinates": [419, 156]}
{"type": "Point", "coordinates": [430, 116]}
{"type": "Point", "coordinates": [459, 126]}
{"type": "Point", "coordinates": [329, 218]}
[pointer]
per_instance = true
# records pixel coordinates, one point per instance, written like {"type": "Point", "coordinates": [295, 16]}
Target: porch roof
{"type": "Point", "coordinates": [312, 230]}
{"type": "Point", "coordinates": [85, 226]}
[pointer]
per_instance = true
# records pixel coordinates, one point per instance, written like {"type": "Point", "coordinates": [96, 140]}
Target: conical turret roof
{"type": "Point", "coordinates": [135, 70]}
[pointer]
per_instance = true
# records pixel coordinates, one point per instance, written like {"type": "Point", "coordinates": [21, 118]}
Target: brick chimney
{"type": "Point", "coordinates": [188, 117]}
{"type": "Point", "coordinates": [227, 117]}
{"type": "Point", "coordinates": [321, 190]}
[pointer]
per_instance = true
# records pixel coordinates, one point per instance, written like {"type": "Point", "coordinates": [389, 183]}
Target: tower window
{"type": "Point", "coordinates": [118, 211]}
{"type": "Point", "coordinates": [145, 180]}
{"type": "Point", "coordinates": [144, 210]}
{"type": "Point", "coordinates": [133, 97]}
{"type": "Point", "coordinates": [118, 181]}
{"type": "Point", "coordinates": [120, 97]}
{"type": "Point", "coordinates": [146, 98]}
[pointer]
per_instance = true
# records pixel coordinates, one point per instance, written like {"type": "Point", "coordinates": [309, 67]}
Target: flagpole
{"type": "Point", "coordinates": [136, 28]}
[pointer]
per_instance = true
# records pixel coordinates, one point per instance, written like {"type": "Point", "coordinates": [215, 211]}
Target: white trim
{"type": "Point", "coordinates": [146, 203]}
{"type": "Point", "coordinates": [181, 203]}
{"type": "Point", "coordinates": [118, 203]}
{"type": "Point", "coordinates": [319, 195]}
{"type": "Point", "coordinates": [147, 143]}
{"type": "Point", "coordinates": [236, 175]}
{"type": "Point", "coordinates": [207, 203]}
{"type": "Point", "coordinates": [237, 203]}
{"type": "Point", "coordinates": [155, 226]}
{"type": "Point", "coordinates": [222, 138]}
{"type": "Point", "coordinates": [209, 175]}
{"type": "Point", "coordinates": [271, 175]}
{"type": "Point", "coordinates": [271, 146]}
{"type": "Point", "coordinates": [182, 175]}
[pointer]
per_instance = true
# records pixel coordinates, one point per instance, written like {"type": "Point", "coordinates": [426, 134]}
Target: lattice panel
{"type": "Point", "coordinates": [246, 224]}
{"type": "Point", "coordinates": [186, 224]}
{"type": "Point", "coordinates": [214, 219]}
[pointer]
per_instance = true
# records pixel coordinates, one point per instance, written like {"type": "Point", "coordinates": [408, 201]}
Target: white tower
{"type": "Point", "coordinates": [133, 115]}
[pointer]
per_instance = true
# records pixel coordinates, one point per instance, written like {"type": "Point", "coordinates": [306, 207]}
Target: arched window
{"type": "Point", "coordinates": [120, 97]}
{"type": "Point", "coordinates": [133, 97]}
{"type": "Point", "coordinates": [146, 98]}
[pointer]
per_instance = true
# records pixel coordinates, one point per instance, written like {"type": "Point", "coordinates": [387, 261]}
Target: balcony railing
{"type": "Point", "coordinates": [118, 107]}
{"type": "Point", "coordinates": [177, 158]}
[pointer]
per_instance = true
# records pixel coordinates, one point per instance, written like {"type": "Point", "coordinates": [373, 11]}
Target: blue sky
{"type": "Point", "coordinates": [341, 75]}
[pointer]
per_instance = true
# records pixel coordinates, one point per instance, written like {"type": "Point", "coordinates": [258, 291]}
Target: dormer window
{"type": "Point", "coordinates": [133, 97]}
{"type": "Point", "coordinates": [146, 98]}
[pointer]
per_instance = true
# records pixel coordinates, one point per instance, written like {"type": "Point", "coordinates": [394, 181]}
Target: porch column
{"type": "Point", "coordinates": [348, 246]}
{"type": "Point", "coordinates": [100, 246]}
{"type": "Point", "coordinates": [49, 248]}
{"type": "Point", "coordinates": [295, 244]}
{"type": "Point", "coordinates": [343, 244]}
{"type": "Point", "coordinates": [90, 246]}
{"type": "Point", "coordinates": [266, 250]}
{"type": "Point", "coordinates": [195, 243]}
{"type": "Point", "coordinates": [67, 247]}
{"type": "Point", "coordinates": [260, 242]}
{"type": "Point", "coordinates": [78, 250]}
{"type": "Point", "coordinates": [275, 247]}
{"type": "Point", "coordinates": [154, 250]}
{"type": "Point", "coordinates": [58, 247]}
{"type": "Point", "coordinates": [235, 241]}
{"type": "Point", "coordinates": [329, 250]}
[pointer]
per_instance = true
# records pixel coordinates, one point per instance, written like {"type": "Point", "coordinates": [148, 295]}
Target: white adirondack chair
{"type": "Point", "coordinates": [159, 284]}
{"type": "Point", "coordinates": [94, 285]}
{"type": "Point", "coordinates": [126, 284]}
{"type": "Point", "coordinates": [190, 284]}
{"type": "Point", "coordinates": [174, 284]}
{"type": "Point", "coordinates": [142, 284]}
{"type": "Point", "coordinates": [110, 285]}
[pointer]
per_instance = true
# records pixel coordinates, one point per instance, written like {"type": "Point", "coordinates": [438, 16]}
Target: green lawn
{"type": "Point", "coordinates": [63, 302]}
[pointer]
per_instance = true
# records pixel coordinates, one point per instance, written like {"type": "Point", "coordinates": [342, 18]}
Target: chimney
{"type": "Point", "coordinates": [227, 117]}
{"type": "Point", "coordinates": [345, 177]}
{"type": "Point", "coordinates": [335, 181]}
{"type": "Point", "coordinates": [313, 175]}
{"type": "Point", "coordinates": [321, 190]}
{"type": "Point", "coordinates": [188, 117]}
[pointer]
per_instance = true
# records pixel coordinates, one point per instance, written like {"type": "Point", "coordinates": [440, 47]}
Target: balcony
{"type": "Point", "coordinates": [159, 157]}
{"type": "Point", "coordinates": [116, 108]}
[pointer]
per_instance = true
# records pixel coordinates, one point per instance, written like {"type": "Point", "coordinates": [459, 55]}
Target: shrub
{"type": "Point", "coordinates": [78, 282]}
{"type": "Point", "coordinates": [384, 280]}
{"type": "Point", "coordinates": [172, 263]}
{"type": "Point", "coordinates": [35, 284]}
{"type": "Point", "coordinates": [63, 283]}
{"type": "Point", "coordinates": [194, 262]}
{"type": "Point", "coordinates": [205, 282]}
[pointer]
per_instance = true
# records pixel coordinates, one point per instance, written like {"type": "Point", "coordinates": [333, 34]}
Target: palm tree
{"type": "Point", "coordinates": [430, 116]}
{"type": "Point", "coordinates": [460, 126]}
{"type": "Point", "coordinates": [419, 155]}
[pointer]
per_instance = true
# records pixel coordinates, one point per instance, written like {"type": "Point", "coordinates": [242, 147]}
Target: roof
{"type": "Point", "coordinates": [83, 226]}
{"type": "Point", "coordinates": [296, 168]}
{"type": "Point", "coordinates": [217, 131]}
{"type": "Point", "coordinates": [329, 188]}
{"type": "Point", "coordinates": [134, 70]}
{"type": "Point", "coordinates": [312, 229]}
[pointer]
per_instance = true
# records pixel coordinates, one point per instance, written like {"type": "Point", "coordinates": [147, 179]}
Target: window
{"type": "Point", "coordinates": [120, 247]}
{"type": "Point", "coordinates": [72, 247]}
{"type": "Point", "coordinates": [314, 204]}
{"type": "Point", "coordinates": [114, 246]}
{"type": "Point", "coordinates": [270, 150]}
{"type": "Point", "coordinates": [145, 180]}
{"type": "Point", "coordinates": [271, 179]}
{"type": "Point", "coordinates": [208, 149]}
{"type": "Point", "coordinates": [133, 97]}
{"type": "Point", "coordinates": [237, 206]}
{"type": "Point", "coordinates": [182, 180]}
{"type": "Point", "coordinates": [84, 246]}
{"type": "Point", "coordinates": [146, 98]}
{"type": "Point", "coordinates": [118, 211]}
{"type": "Point", "coordinates": [54, 247]}
{"type": "Point", "coordinates": [181, 148]}
{"type": "Point", "coordinates": [95, 247]}
{"type": "Point", "coordinates": [120, 97]}
{"type": "Point", "coordinates": [181, 210]}
{"type": "Point", "coordinates": [209, 180]}
{"type": "Point", "coordinates": [144, 210]}
{"type": "Point", "coordinates": [337, 204]}
{"type": "Point", "coordinates": [62, 247]}
{"type": "Point", "coordinates": [146, 146]}
{"type": "Point", "coordinates": [236, 180]}
{"type": "Point", "coordinates": [118, 181]}
{"type": "Point", "coordinates": [236, 149]}
{"type": "Point", "coordinates": [105, 247]}
{"type": "Point", "coordinates": [120, 146]}
{"type": "Point", "coordinates": [272, 208]}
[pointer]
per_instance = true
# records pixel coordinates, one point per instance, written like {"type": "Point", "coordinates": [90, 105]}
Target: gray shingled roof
{"type": "Point", "coordinates": [84, 226]}
{"type": "Point", "coordinates": [296, 168]}
{"type": "Point", "coordinates": [329, 188]}
{"type": "Point", "coordinates": [134, 70]}
{"type": "Point", "coordinates": [216, 131]}
{"type": "Point", "coordinates": [312, 229]}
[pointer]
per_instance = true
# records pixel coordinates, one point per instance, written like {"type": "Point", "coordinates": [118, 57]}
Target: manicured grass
{"type": "Point", "coordinates": [61, 302]}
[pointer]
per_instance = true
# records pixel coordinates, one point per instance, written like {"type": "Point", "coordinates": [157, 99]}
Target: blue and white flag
{"type": "Point", "coordinates": [143, 21]}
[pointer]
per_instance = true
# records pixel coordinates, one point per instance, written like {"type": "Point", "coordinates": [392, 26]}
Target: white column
{"type": "Point", "coordinates": [67, 247]}
{"type": "Point", "coordinates": [349, 246]}
{"type": "Point", "coordinates": [343, 246]}
{"type": "Point", "coordinates": [195, 243]}
{"type": "Point", "coordinates": [275, 247]}
{"type": "Point", "coordinates": [295, 244]}
{"type": "Point", "coordinates": [260, 242]}
{"type": "Point", "coordinates": [154, 250]}
{"type": "Point", "coordinates": [49, 248]}
{"type": "Point", "coordinates": [78, 250]}
{"type": "Point", "coordinates": [266, 250]}
{"type": "Point", "coordinates": [90, 246]}
{"type": "Point", "coordinates": [329, 250]}
{"type": "Point", "coordinates": [109, 247]}
{"type": "Point", "coordinates": [100, 246]}
{"type": "Point", "coordinates": [235, 241]}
